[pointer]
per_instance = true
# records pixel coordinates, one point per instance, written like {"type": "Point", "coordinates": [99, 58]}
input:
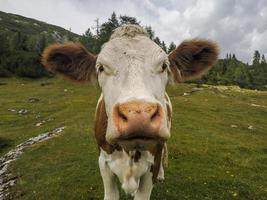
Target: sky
{"type": "Point", "coordinates": [238, 26]}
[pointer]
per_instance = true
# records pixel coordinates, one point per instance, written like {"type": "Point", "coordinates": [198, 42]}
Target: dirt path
{"type": "Point", "coordinates": [13, 155]}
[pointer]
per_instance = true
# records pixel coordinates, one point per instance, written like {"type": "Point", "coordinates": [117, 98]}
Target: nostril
{"type": "Point", "coordinates": [156, 114]}
{"type": "Point", "coordinates": [122, 116]}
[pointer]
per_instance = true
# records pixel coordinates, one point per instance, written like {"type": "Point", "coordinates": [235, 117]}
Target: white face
{"type": "Point", "coordinates": [131, 69]}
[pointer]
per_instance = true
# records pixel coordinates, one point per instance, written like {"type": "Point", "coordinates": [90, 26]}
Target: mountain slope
{"type": "Point", "coordinates": [22, 41]}
{"type": "Point", "coordinates": [17, 23]}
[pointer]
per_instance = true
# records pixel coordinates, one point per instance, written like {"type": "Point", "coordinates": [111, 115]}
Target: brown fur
{"type": "Point", "coordinates": [169, 113]}
{"type": "Point", "coordinates": [193, 58]}
{"type": "Point", "coordinates": [160, 152]}
{"type": "Point", "coordinates": [101, 122]}
{"type": "Point", "coordinates": [71, 60]}
{"type": "Point", "coordinates": [137, 156]}
{"type": "Point", "coordinates": [156, 151]}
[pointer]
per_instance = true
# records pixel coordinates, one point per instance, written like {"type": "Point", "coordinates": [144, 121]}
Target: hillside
{"type": "Point", "coordinates": [22, 41]}
{"type": "Point", "coordinates": [18, 23]}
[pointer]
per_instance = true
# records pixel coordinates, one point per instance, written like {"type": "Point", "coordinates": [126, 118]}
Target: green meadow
{"type": "Point", "coordinates": [218, 147]}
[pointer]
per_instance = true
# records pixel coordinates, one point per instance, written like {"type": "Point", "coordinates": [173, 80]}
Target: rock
{"type": "Point", "coordinates": [42, 122]}
{"type": "Point", "coordinates": [50, 119]}
{"type": "Point", "coordinates": [33, 100]}
{"type": "Point", "coordinates": [233, 126]}
{"type": "Point", "coordinates": [23, 111]}
{"type": "Point", "coordinates": [197, 89]}
{"type": "Point", "coordinates": [256, 105]}
{"type": "Point", "coordinates": [186, 94]}
{"type": "Point", "coordinates": [251, 127]}
{"type": "Point", "coordinates": [39, 124]}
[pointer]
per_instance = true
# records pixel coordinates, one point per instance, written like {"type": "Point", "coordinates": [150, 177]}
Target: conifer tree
{"type": "Point", "coordinates": [163, 46]}
{"type": "Point", "coordinates": [157, 41]}
{"type": "Point", "coordinates": [150, 32]}
{"type": "Point", "coordinates": [256, 58]}
{"type": "Point", "coordinates": [263, 60]}
{"type": "Point", "coordinates": [124, 19]}
{"type": "Point", "coordinates": [171, 47]}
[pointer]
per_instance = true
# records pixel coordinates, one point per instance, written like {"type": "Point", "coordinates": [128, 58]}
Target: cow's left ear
{"type": "Point", "coordinates": [192, 58]}
{"type": "Point", "coordinates": [70, 60]}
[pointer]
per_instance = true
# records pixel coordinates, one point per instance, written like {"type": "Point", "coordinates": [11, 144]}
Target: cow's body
{"type": "Point", "coordinates": [133, 114]}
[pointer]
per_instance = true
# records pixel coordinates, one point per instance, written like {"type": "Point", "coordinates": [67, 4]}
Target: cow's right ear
{"type": "Point", "coordinates": [71, 60]}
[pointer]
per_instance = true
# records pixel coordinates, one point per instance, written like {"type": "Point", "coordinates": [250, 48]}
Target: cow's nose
{"type": "Point", "coordinates": [137, 119]}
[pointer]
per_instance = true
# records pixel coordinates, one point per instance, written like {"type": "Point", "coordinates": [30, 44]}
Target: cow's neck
{"type": "Point", "coordinates": [128, 166]}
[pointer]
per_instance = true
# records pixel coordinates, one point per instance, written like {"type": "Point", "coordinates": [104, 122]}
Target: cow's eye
{"type": "Point", "coordinates": [164, 67]}
{"type": "Point", "coordinates": [100, 68]}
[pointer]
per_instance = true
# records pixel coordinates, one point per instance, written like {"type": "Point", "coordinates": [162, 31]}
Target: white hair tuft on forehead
{"type": "Point", "coordinates": [128, 30]}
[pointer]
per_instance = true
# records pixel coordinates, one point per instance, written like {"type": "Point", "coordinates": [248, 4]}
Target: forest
{"type": "Point", "coordinates": [22, 41]}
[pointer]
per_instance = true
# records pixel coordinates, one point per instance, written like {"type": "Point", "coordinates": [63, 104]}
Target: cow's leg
{"type": "Point", "coordinates": [145, 187]}
{"type": "Point", "coordinates": [110, 186]}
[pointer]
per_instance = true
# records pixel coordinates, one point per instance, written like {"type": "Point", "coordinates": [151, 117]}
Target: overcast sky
{"type": "Point", "coordinates": [239, 27]}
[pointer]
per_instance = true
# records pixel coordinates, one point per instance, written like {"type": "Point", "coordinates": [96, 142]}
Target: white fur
{"type": "Point", "coordinates": [128, 31]}
{"type": "Point", "coordinates": [110, 187]}
{"type": "Point", "coordinates": [132, 175]}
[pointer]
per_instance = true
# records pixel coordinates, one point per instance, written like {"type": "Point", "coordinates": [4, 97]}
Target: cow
{"type": "Point", "coordinates": [133, 113]}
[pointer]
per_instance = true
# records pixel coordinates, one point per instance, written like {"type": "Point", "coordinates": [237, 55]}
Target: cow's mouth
{"type": "Point", "coordinates": [137, 141]}
{"type": "Point", "coordinates": [137, 137]}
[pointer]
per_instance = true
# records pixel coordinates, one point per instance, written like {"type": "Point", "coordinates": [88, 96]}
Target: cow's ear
{"type": "Point", "coordinates": [71, 60]}
{"type": "Point", "coordinates": [192, 58]}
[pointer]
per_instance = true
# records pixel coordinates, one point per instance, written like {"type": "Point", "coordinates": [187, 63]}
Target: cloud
{"type": "Point", "coordinates": [239, 27]}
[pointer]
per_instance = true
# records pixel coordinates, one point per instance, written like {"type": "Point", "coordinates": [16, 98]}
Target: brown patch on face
{"type": "Point", "coordinates": [192, 58]}
{"type": "Point", "coordinates": [169, 111]}
{"type": "Point", "coordinates": [101, 122]}
{"type": "Point", "coordinates": [71, 60]}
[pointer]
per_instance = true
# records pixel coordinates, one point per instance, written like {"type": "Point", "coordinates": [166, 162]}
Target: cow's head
{"type": "Point", "coordinates": [132, 72]}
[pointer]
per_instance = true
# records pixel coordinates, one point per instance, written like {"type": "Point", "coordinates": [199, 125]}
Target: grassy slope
{"type": "Point", "coordinates": [208, 159]}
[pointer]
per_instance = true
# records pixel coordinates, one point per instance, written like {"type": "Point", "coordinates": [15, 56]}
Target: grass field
{"type": "Point", "coordinates": [218, 148]}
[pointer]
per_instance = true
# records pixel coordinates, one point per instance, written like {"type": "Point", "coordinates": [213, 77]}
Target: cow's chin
{"type": "Point", "coordinates": [142, 144]}
{"type": "Point", "coordinates": [138, 140]}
